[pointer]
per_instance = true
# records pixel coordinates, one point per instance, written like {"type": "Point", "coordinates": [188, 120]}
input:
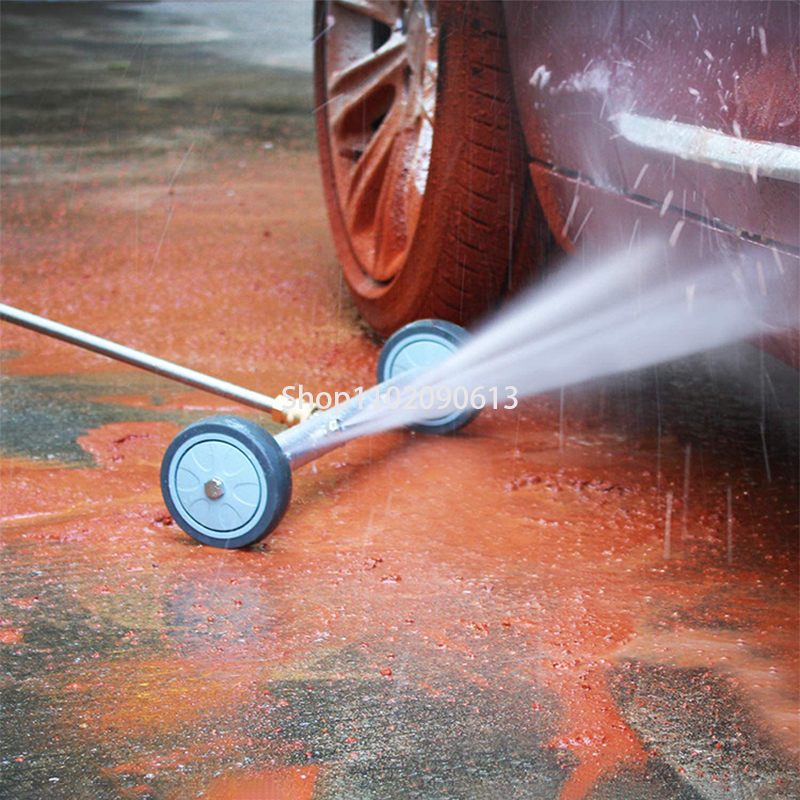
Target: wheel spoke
{"type": "Point", "coordinates": [391, 228]}
{"type": "Point", "coordinates": [362, 152]}
{"type": "Point", "coordinates": [366, 73]}
{"type": "Point", "coordinates": [246, 493]}
{"type": "Point", "coordinates": [189, 486]}
{"type": "Point", "coordinates": [203, 458]}
{"type": "Point", "coordinates": [379, 10]}
{"type": "Point", "coordinates": [364, 99]}
{"type": "Point", "coordinates": [367, 175]}
{"type": "Point", "coordinates": [230, 516]}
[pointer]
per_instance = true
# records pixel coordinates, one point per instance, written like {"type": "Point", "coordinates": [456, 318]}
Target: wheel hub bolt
{"type": "Point", "coordinates": [214, 489]}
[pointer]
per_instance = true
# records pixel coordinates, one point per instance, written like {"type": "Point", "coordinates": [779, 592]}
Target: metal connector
{"type": "Point", "coordinates": [291, 412]}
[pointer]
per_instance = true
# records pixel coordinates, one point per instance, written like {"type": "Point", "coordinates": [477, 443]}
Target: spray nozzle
{"type": "Point", "coordinates": [291, 411]}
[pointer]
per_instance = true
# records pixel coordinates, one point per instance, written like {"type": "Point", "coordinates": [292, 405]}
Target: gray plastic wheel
{"type": "Point", "coordinates": [226, 482]}
{"type": "Point", "coordinates": [419, 346]}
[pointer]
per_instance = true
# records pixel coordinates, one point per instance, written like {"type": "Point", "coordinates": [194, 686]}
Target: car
{"type": "Point", "coordinates": [465, 145]}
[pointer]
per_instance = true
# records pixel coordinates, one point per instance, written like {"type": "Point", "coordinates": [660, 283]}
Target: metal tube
{"type": "Point", "coordinates": [138, 359]}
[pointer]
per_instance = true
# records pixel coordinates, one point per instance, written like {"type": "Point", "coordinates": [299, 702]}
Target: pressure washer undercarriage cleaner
{"type": "Point", "coordinates": [226, 480]}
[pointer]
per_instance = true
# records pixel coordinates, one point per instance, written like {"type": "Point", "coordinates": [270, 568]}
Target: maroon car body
{"type": "Point", "coordinates": [679, 118]}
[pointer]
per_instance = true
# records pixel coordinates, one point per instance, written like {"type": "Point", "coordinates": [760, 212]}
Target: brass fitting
{"type": "Point", "coordinates": [291, 412]}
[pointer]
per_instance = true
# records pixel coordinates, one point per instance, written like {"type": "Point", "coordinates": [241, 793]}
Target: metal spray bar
{"type": "Point", "coordinates": [282, 409]}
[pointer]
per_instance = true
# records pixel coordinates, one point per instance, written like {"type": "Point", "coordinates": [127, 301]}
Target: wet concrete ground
{"type": "Point", "coordinates": [594, 599]}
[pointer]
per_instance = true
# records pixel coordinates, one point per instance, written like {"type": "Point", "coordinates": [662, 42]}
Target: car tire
{"type": "Point", "coordinates": [422, 156]}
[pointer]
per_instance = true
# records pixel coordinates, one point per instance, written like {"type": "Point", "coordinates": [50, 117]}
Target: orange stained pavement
{"type": "Point", "coordinates": [595, 598]}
